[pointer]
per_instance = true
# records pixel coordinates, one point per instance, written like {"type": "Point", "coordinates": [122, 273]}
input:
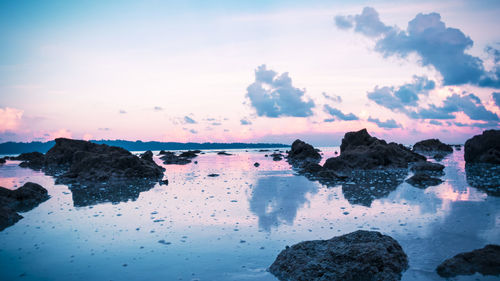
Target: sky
{"type": "Point", "coordinates": [248, 71]}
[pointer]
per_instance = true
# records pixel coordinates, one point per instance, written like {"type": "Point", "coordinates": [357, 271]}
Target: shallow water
{"type": "Point", "coordinates": [233, 226]}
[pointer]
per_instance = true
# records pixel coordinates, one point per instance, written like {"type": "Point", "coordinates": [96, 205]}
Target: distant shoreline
{"type": "Point", "coordinates": [43, 147]}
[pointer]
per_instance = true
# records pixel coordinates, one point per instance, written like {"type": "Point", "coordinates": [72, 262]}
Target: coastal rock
{"type": "Point", "coordinates": [484, 148]}
{"type": "Point", "coordinates": [85, 161]}
{"type": "Point", "coordinates": [33, 160]}
{"type": "Point", "coordinates": [432, 146]}
{"type": "Point", "coordinates": [360, 255]}
{"type": "Point", "coordinates": [2, 160]}
{"type": "Point", "coordinates": [360, 151]}
{"type": "Point", "coordinates": [423, 180]}
{"type": "Point", "coordinates": [277, 156]}
{"type": "Point", "coordinates": [302, 151]}
{"type": "Point", "coordinates": [485, 261]}
{"type": "Point", "coordinates": [148, 156]}
{"type": "Point", "coordinates": [170, 158]}
{"type": "Point", "coordinates": [22, 199]}
{"type": "Point", "coordinates": [484, 176]}
{"type": "Point", "coordinates": [190, 154]}
{"type": "Point", "coordinates": [256, 164]}
{"type": "Point", "coordinates": [223, 153]}
{"type": "Point", "coordinates": [427, 166]}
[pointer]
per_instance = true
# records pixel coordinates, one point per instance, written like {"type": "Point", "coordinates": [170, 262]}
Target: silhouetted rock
{"type": "Point", "coordinates": [256, 164]}
{"type": "Point", "coordinates": [148, 156]}
{"type": "Point", "coordinates": [484, 148]}
{"type": "Point", "coordinates": [360, 255]}
{"type": "Point", "coordinates": [484, 176]}
{"type": "Point", "coordinates": [33, 160]}
{"type": "Point", "coordinates": [190, 154]}
{"type": "Point", "coordinates": [277, 156]}
{"type": "Point", "coordinates": [87, 162]}
{"type": "Point", "coordinates": [3, 160]}
{"type": "Point", "coordinates": [213, 175]}
{"type": "Point", "coordinates": [426, 166]}
{"type": "Point", "coordinates": [223, 153]}
{"type": "Point", "coordinates": [170, 158]}
{"type": "Point", "coordinates": [360, 151]}
{"type": "Point", "coordinates": [431, 146]}
{"type": "Point", "coordinates": [485, 261]}
{"type": "Point", "coordinates": [22, 199]}
{"type": "Point", "coordinates": [423, 180]}
{"type": "Point", "coordinates": [439, 156]}
{"type": "Point", "coordinates": [302, 151]}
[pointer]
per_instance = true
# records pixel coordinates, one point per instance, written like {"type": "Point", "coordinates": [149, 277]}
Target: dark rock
{"type": "Point", "coordinates": [432, 146]}
{"type": "Point", "coordinates": [484, 148]}
{"type": "Point", "coordinates": [164, 182]}
{"type": "Point", "coordinates": [256, 164]}
{"type": "Point", "coordinates": [33, 160]}
{"type": "Point", "coordinates": [190, 154]}
{"type": "Point", "coordinates": [213, 175]}
{"type": "Point", "coordinates": [87, 162]}
{"type": "Point", "coordinates": [427, 166]}
{"type": "Point", "coordinates": [148, 156]}
{"type": "Point", "coordinates": [162, 152]}
{"type": "Point", "coordinates": [170, 158]}
{"type": "Point", "coordinates": [360, 151]}
{"type": "Point", "coordinates": [277, 156]}
{"type": "Point", "coordinates": [484, 176]}
{"type": "Point", "coordinates": [3, 160]}
{"type": "Point", "coordinates": [360, 255]}
{"type": "Point", "coordinates": [223, 153]}
{"type": "Point", "coordinates": [263, 150]}
{"type": "Point", "coordinates": [423, 180]}
{"type": "Point", "coordinates": [302, 151]}
{"type": "Point", "coordinates": [438, 156]}
{"type": "Point", "coordinates": [485, 261]}
{"type": "Point", "coordinates": [22, 199]}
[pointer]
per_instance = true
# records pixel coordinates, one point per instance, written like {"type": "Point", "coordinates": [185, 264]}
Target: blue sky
{"type": "Point", "coordinates": [129, 70]}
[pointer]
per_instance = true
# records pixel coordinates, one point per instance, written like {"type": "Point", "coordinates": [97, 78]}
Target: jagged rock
{"type": "Point", "coordinates": [423, 180]}
{"type": "Point", "coordinates": [34, 160]}
{"type": "Point", "coordinates": [426, 166]}
{"type": "Point", "coordinates": [22, 199]}
{"type": "Point", "coordinates": [85, 161]}
{"type": "Point", "coordinates": [484, 148]}
{"type": "Point", "coordinates": [360, 255]}
{"type": "Point", "coordinates": [485, 261]}
{"type": "Point", "coordinates": [360, 151]}
{"type": "Point", "coordinates": [170, 158]}
{"type": "Point", "coordinates": [148, 156]}
{"type": "Point", "coordinates": [432, 146]}
{"type": "Point", "coordinates": [302, 151]}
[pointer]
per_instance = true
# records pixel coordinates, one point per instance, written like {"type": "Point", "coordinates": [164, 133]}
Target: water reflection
{"type": "Point", "coordinates": [485, 177]}
{"type": "Point", "coordinates": [102, 193]}
{"type": "Point", "coordinates": [276, 199]}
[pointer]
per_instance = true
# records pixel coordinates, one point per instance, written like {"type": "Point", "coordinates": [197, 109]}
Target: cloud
{"type": "Point", "coordinates": [104, 129]}
{"type": "Point", "coordinates": [397, 98]}
{"type": "Point", "coordinates": [329, 120]}
{"type": "Point", "coordinates": [122, 111]}
{"type": "Point", "coordinates": [437, 45]}
{"type": "Point", "coordinates": [189, 120]}
{"type": "Point", "coordinates": [157, 108]}
{"type": "Point", "coordinates": [469, 104]}
{"type": "Point", "coordinates": [333, 98]}
{"type": "Point", "coordinates": [10, 119]}
{"type": "Point", "coordinates": [339, 114]}
{"type": "Point", "coordinates": [490, 124]}
{"type": "Point", "coordinates": [216, 124]}
{"type": "Point", "coordinates": [434, 122]}
{"type": "Point", "coordinates": [193, 131]}
{"type": "Point", "coordinates": [343, 22]}
{"type": "Point", "coordinates": [388, 124]}
{"type": "Point", "coordinates": [245, 121]}
{"type": "Point", "coordinates": [496, 98]}
{"type": "Point", "coordinates": [273, 95]}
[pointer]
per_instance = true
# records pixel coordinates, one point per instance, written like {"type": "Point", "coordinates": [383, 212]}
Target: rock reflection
{"type": "Point", "coordinates": [485, 177]}
{"type": "Point", "coordinates": [366, 186]}
{"type": "Point", "coordinates": [105, 193]}
{"type": "Point", "coordinates": [276, 199]}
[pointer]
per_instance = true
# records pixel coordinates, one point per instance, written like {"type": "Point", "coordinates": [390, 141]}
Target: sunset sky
{"type": "Point", "coordinates": [253, 71]}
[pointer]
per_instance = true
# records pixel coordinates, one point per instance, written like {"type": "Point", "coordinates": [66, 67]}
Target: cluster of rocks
{"type": "Point", "coordinates": [22, 199]}
{"type": "Point", "coordinates": [360, 255]}
{"type": "Point", "coordinates": [434, 148]}
{"type": "Point", "coordinates": [185, 157]}
{"type": "Point", "coordinates": [485, 261]}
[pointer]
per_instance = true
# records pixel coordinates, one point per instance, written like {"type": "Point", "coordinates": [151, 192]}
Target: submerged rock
{"type": "Point", "coordinates": [432, 146]}
{"type": "Point", "coordinates": [360, 255]}
{"type": "Point", "coordinates": [22, 199]}
{"type": "Point", "coordinates": [484, 148]}
{"type": "Point", "coordinates": [423, 180]}
{"type": "Point", "coordinates": [190, 154]}
{"type": "Point", "coordinates": [485, 261]}
{"type": "Point", "coordinates": [213, 175]}
{"type": "Point", "coordinates": [169, 158]}
{"type": "Point", "coordinates": [223, 153]}
{"type": "Point", "coordinates": [277, 156]}
{"type": "Point", "coordinates": [302, 151]}
{"type": "Point", "coordinates": [256, 164]}
{"type": "Point", "coordinates": [360, 151]}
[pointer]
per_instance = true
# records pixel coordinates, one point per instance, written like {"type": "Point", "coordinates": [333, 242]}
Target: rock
{"type": "Point", "coordinates": [33, 160]}
{"type": "Point", "coordinates": [190, 154]}
{"type": "Point", "coordinates": [256, 164]}
{"type": "Point", "coordinates": [485, 261]}
{"type": "Point", "coordinates": [3, 160]}
{"type": "Point", "coordinates": [438, 156]}
{"type": "Point", "coordinates": [423, 180]}
{"type": "Point", "coordinates": [22, 199]}
{"type": "Point", "coordinates": [164, 182]}
{"type": "Point", "coordinates": [360, 255]}
{"type": "Point", "coordinates": [427, 166]}
{"type": "Point", "coordinates": [277, 156]}
{"type": "Point", "coordinates": [223, 153]}
{"type": "Point", "coordinates": [213, 175]}
{"type": "Point", "coordinates": [432, 146]}
{"type": "Point", "coordinates": [302, 151]}
{"type": "Point", "coordinates": [484, 176]}
{"type": "Point", "coordinates": [148, 156]}
{"type": "Point", "coordinates": [87, 162]}
{"type": "Point", "coordinates": [360, 151]}
{"type": "Point", "coordinates": [170, 158]}
{"type": "Point", "coordinates": [484, 148]}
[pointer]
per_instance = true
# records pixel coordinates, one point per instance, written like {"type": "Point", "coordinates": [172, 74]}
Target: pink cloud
{"type": "Point", "coordinates": [10, 119]}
